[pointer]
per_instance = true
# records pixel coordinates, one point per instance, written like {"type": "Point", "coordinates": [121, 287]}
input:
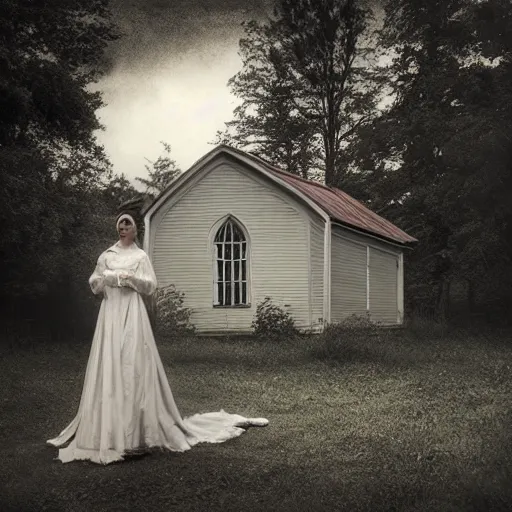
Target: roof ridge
{"type": "Point", "coordinates": [288, 173]}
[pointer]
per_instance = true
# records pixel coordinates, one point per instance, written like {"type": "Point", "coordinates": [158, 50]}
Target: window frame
{"type": "Point", "coordinates": [227, 228]}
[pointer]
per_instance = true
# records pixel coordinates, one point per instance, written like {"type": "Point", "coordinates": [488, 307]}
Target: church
{"type": "Point", "coordinates": [234, 229]}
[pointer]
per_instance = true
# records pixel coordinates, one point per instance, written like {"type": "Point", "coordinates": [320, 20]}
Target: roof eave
{"type": "Point", "coordinates": [406, 245]}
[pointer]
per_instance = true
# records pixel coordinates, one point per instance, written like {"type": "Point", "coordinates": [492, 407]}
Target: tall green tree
{"type": "Point", "coordinates": [304, 85]}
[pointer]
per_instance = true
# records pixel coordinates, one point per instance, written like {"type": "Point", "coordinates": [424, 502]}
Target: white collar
{"type": "Point", "coordinates": [117, 247]}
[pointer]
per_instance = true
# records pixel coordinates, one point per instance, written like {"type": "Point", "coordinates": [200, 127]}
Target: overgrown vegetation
{"type": "Point", "coordinates": [352, 339]}
{"type": "Point", "coordinates": [272, 321]}
{"type": "Point", "coordinates": [172, 317]}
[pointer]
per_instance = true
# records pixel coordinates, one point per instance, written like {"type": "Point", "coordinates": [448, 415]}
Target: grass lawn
{"type": "Point", "coordinates": [410, 425]}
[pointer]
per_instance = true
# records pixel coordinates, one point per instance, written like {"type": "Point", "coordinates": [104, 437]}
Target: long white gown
{"type": "Point", "coordinates": [127, 404]}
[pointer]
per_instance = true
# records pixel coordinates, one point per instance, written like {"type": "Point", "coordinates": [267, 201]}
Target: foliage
{"type": "Point", "coordinates": [51, 167]}
{"type": "Point", "coordinates": [53, 229]}
{"type": "Point", "coordinates": [437, 162]}
{"type": "Point", "coordinates": [161, 172]}
{"type": "Point", "coordinates": [304, 84]}
{"type": "Point", "coordinates": [424, 328]}
{"type": "Point", "coordinates": [49, 52]}
{"type": "Point", "coordinates": [272, 321]}
{"type": "Point", "coordinates": [172, 317]}
{"type": "Point", "coordinates": [117, 191]}
{"type": "Point", "coordinates": [352, 339]}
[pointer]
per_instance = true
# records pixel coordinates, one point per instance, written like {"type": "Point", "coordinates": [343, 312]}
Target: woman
{"type": "Point", "coordinates": [127, 405]}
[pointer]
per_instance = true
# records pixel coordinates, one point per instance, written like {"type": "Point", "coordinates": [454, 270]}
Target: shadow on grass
{"type": "Point", "coordinates": [215, 478]}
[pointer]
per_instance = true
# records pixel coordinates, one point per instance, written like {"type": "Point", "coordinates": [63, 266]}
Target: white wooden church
{"type": "Point", "coordinates": [234, 229]}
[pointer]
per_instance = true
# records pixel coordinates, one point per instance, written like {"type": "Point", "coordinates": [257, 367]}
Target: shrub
{"type": "Point", "coordinates": [353, 339]}
{"type": "Point", "coordinates": [272, 321]}
{"type": "Point", "coordinates": [171, 316]}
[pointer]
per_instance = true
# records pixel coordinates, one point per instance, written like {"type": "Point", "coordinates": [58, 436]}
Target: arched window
{"type": "Point", "coordinates": [230, 287]}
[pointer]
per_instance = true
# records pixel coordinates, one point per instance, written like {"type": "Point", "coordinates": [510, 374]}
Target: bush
{"type": "Point", "coordinates": [272, 321]}
{"type": "Point", "coordinates": [171, 316]}
{"type": "Point", "coordinates": [353, 339]}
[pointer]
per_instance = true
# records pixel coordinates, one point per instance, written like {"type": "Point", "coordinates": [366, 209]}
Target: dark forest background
{"type": "Point", "coordinates": [405, 104]}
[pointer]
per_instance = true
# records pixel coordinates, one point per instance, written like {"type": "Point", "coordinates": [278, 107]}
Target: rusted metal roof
{"type": "Point", "coordinates": [340, 207]}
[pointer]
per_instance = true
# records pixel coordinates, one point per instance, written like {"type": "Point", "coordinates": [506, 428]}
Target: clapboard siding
{"type": "Point", "coordinates": [348, 278]}
{"type": "Point", "coordinates": [278, 249]}
{"type": "Point", "coordinates": [317, 270]}
{"type": "Point", "coordinates": [383, 286]}
{"type": "Point", "coordinates": [365, 240]}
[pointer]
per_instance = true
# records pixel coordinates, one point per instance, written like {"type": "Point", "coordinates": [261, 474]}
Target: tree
{"type": "Point", "coordinates": [438, 160]}
{"type": "Point", "coordinates": [161, 172]}
{"type": "Point", "coordinates": [49, 52]}
{"type": "Point", "coordinates": [51, 167]}
{"type": "Point", "coordinates": [268, 119]}
{"type": "Point", "coordinates": [118, 190]}
{"type": "Point", "coordinates": [304, 85]}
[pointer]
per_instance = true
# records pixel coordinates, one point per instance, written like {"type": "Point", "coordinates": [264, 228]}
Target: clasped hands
{"type": "Point", "coordinates": [116, 278]}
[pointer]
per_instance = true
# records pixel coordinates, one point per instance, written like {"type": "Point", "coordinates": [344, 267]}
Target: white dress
{"type": "Point", "coordinates": [127, 404]}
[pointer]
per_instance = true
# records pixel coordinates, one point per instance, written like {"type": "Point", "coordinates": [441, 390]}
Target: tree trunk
{"type": "Point", "coordinates": [330, 163]}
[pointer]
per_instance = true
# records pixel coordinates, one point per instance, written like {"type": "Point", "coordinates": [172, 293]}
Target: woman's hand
{"type": "Point", "coordinates": [125, 275]}
{"type": "Point", "coordinates": [110, 277]}
{"type": "Point", "coordinates": [115, 278]}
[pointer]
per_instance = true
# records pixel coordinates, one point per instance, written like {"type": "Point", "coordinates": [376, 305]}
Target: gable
{"type": "Point", "coordinates": [230, 179]}
{"type": "Point", "coordinates": [276, 229]}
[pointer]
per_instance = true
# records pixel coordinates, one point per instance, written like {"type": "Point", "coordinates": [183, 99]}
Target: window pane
{"type": "Point", "coordinates": [236, 251]}
{"type": "Point", "coordinates": [244, 247]}
{"type": "Point", "coordinates": [244, 293]}
{"type": "Point", "coordinates": [228, 271]}
{"type": "Point", "coordinates": [237, 293]}
{"type": "Point", "coordinates": [228, 232]}
{"type": "Point", "coordinates": [244, 270]}
{"type": "Point", "coordinates": [237, 271]}
{"type": "Point", "coordinates": [220, 269]}
{"type": "Point", "coordinates": [221, 295]}
{"type": "Point", "coordinates": [227, 252]}
{"type": "Point", "coordinates": [220, 234]}
{"type": "Point", "coordinates": [228, 295]}
{"type": "Point", "coordinates": [238, 236]}
{"type": "Point", "coordinates": [219, 251]}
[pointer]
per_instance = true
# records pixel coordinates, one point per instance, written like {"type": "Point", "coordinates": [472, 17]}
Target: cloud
{"type": "Point", "coordinates": [168, 76]}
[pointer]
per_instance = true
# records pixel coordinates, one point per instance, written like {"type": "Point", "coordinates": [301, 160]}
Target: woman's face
{"type": "Point", "coordinates": [126, 232]}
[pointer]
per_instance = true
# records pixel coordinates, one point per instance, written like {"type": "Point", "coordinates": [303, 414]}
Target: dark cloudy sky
{"type": "Point", "coordinates": [168, 77]}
